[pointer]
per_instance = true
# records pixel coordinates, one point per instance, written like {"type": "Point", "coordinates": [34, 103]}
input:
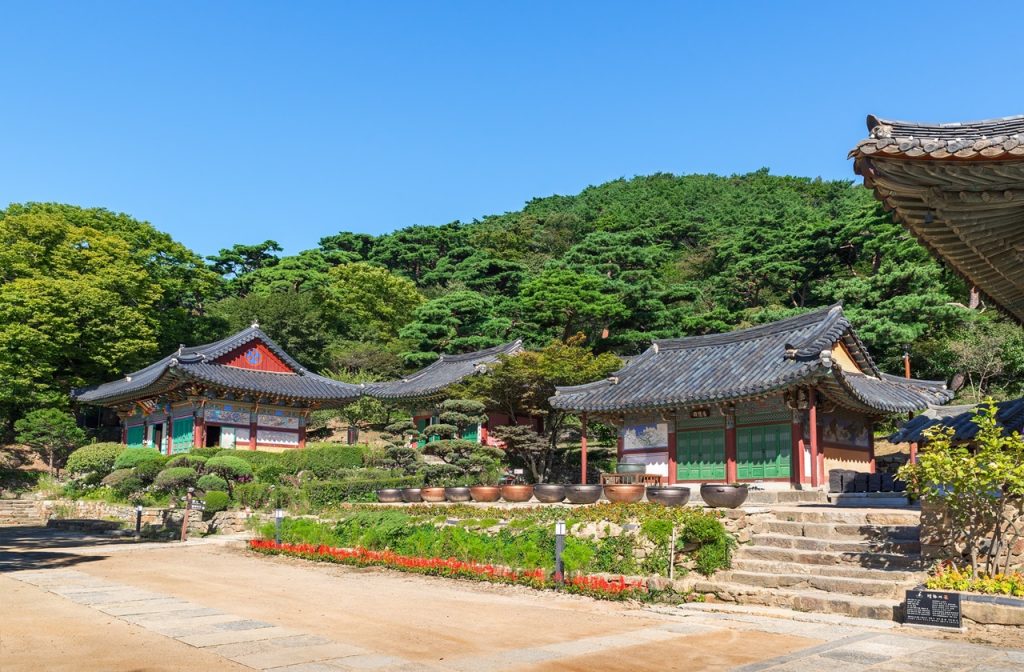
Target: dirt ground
{"type": "Point", "coordinates": [422, 619]}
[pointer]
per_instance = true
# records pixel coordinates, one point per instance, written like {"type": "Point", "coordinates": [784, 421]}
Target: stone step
{"type": "Point", "coordinates": [838, 570]}
{"type": "Point", "coordinates": [834, 545]}
{"type": "Point", "coordinates": [879, 608]}
{"type": "Point", "coordinates": [826, 514]}
{"type": "Point", "coordinates": [829, 584]}
{"type": "Point", "coordinates": [871, 560]}
{"type": "Point", "coordinates": [852, 531]}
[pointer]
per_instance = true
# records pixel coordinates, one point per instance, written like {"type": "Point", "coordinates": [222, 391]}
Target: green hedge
{"type": "Point", "coordinates": [216, 500]}
{"type": "Point", "coordinates": [328, 493]}
{"type": "Point", "coordinates": [96, 458]}
{"type": "Point", "coordinates": [324, 460]}
{"type": "Point", "coordinates": [132, 456]}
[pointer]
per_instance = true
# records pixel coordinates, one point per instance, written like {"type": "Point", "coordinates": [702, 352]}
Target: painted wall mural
{"type": "Point", "coordinates": [278, 420]}
{"type": "Point", "coordinates": [845, 430]}
{"type": "Point", "coordinates": [644, 435]}
{"type": "Point", "coordinates": [228, 415]}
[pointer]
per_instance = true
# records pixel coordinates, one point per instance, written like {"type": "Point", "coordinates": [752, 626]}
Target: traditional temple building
{"type": "Point", "coordinates": [243, 391]}
{"type": "Point", "coordinates": [781, 403]}
{"type": "Point", "coordinates": [422, 391]}
{"type": "Point", "coordinates": [959, 188]}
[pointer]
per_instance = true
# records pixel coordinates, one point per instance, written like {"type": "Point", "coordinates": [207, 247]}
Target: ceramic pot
{"type": "Point", "coordinates": [625, 493]}
{"type": "Point", "coordinates": [457, 494]}
{"type": "Point", "coordinates": [549, 493]}
{"type": "Point", "coordinates": [485, 493]}
{"type": "Point", "coordinates": [631, 469]}
{"type": "Point", "coordinates": [516, 493]}
{"type": "Point", "coordinates": [722, 496]}
{"type": "Point", "coordinates": [389, 495]}
{"type": "Point", "coordinates": [583, 493]}
{"type": "Point", "coordinates": [432, 494]}
{"type": "Point", "coordinates": [669, 495]}
{"type": "Point", "coordinates": [411, 495]}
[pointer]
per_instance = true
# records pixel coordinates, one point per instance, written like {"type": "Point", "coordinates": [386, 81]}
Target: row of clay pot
{"type": "Point", "coordinates": [546, 493]}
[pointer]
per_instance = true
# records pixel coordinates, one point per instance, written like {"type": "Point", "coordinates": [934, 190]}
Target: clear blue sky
{"type": "Point", "coordinates": [235, 122]}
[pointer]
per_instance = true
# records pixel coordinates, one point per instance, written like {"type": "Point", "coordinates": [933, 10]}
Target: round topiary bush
{"type": "Point", "coordinates": [147, 470]}
{"type": "Point", "coordinates": [175, 478]}
{"type": "Point", "coordinates": [229, 467]}
{"type": "Point", "coordinates": [209, 482]}
{"type": "Point", "coordinates": [132, 456]}
{"type": "Point", "coordinates": [123, 482]}
{"type": "Point", "coordinates": [96, 459]}
{"type": "Point", "coordinates": [187, 460]}
{"type": "Point", "coordinates": [216, 500]}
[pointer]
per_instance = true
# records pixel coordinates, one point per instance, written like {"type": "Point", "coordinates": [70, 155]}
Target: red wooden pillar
{"type": "Point", "coordinates": [871, 447]}
{"type": "Point", "coordinates": [913, 452]}
{"type": "Point", "coordinates": [252, 432]}
{"type": "Point", "coordinates": [199, 432]}
{"type": "Point", "coordinates": [583, 449]}
{"type": "Point", "coordinates": [730, 448]}
{"type": "Point", "coordinates": [124, 431]}
{"type": "Point", "coordinates": [169, 432]}
{"type": "Point", "coordinates": [798, 450]}
{"type": "Point", "coordinates": [302, 436]}
{"type": "Point", "coordinates": [812, 420]}
{"type": "Point", "coordinates": [672, 468]}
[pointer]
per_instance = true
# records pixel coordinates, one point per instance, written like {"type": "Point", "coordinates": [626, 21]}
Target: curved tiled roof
{"type": "Point", "coordinates": [447, 370]}
{"type": "Point", "coordinates": [959, 188]}
{"type": "Point", "coordinates": [1009, 414]}
{"type": "Point", "coordinates": [987, 139]}
{"type": "Point", "coordinates": [196, 363]}
{"type": "Point", "coordinates": [749, 363]}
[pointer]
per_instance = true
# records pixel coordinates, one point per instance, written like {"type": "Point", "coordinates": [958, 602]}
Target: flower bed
{"type": "Point", "coordinates": [946, 576]}
{"type": "Point", "coordinates": [595, 586]}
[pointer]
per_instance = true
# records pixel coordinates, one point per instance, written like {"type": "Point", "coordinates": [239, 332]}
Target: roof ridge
{"type": "Point", "coordinates": [494, 349]}
{"type": "Point", "coordinates": [749, 333]}
{"type": "Point", "coordinates": [873, 121]}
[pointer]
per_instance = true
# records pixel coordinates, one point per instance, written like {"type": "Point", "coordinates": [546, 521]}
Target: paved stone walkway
{"type": "Point", "coordinates": [264, 646]}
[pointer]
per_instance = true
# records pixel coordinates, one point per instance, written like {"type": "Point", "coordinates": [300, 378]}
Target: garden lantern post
{"type": "Point", "coordinates": [559, 550]}
{"type": "Point", "coordinates": [188, 512]}
{"type": "Point", "coordinates": [278, 517]}
{"type": "Point", "coordinates": [138, 520]}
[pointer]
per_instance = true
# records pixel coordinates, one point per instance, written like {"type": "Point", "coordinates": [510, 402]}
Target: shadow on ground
{"type": "Point", "coordinates": [37, 547]}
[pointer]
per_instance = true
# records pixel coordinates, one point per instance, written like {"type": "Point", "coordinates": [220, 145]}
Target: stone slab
{"type": "Point", "coordinates": [503, 660]}
{"type": "Point", "coordinates": [244, 624]}
{"type": "Point", "coordinates": [232, 637]}
{"type": "Point", "coordinates": [369, 661]}
{"type": "Point", "coordinates": [183, 617]}
{"type": "Point", "coordinates": [297, 655]}
{"type": "Point", "coordinates": [155, 606]}
{"type": "Point", "coordinates": [264, 645]}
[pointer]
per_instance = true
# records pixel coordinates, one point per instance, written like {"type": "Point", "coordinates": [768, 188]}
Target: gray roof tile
{"type": "Point", "coordinates": [1009, 414]}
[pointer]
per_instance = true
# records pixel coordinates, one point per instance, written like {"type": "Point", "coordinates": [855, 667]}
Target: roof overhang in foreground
{"type": "Point", "coordinates": [959, 188]}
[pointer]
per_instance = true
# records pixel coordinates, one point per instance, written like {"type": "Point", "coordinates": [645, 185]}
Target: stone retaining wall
{"type": "Point", "coordinates": [937, 542]}
{"type": "Point", "coordinates": [154, 519]}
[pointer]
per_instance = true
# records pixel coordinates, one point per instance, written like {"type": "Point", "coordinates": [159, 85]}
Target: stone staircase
{"type": "Point", "coordinates": [18, 512]}
{"type": "Point", "coordinates": [823, 559]}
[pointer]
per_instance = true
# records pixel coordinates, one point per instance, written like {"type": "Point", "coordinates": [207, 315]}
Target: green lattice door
{"type": "Point", "coordinates": [700, 455]}
{"type": "Point", "coordinates": [763, 451]}
{"type": "Point", "coordinates": [470, 433]}
{"type": "Point", "coordinates": [135, 437]}
{"type": "Point", "coordinates": [182, 438]}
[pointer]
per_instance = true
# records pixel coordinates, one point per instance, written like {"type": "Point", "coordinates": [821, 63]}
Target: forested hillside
{"type": "Point", "coordinates": [86, 294]}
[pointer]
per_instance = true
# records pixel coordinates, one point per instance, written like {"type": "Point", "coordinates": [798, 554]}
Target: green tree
{"type": "Point", "coordinates": [366, 302]}
{"type": "Point", "coordinates": [239, 261]}
{"type": "Point", "coordinates": [562, 302]}
{"type": "Point", "coordinates": [52, 433]}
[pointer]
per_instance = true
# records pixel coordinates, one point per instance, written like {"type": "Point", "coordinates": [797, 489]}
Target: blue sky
{"type": "Point", "coordinates": [236, 122]}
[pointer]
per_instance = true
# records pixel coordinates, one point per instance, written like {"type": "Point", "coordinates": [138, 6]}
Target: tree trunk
{"type": "Point", "coordinates": [974, 299]}
{"type": "Point", "coordinates": [51, 462]}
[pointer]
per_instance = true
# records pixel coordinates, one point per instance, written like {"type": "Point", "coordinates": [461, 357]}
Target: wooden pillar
{"type": "Point", "coordinates": [169, 433]}
{"type": "Point", "coordinates": [583, 449]}
{"type": "Point", "coordinates": [871, 446]}
{"type": "Point", "coordinates": [812, 420]}
{"type": "Point", "coordinates": [252, 432]}
{"type": "Point", "coordinates": [730, 448]}
{"type": "Point", "coordinates": [302, 436]}
{"type": "Point", "coordinates": [913, 452]}
{"type": "Point", "coordinates": [797, 438]}
{"type": "Point", "coordinates": [124, 430]}
{"type": "Point", "coordinates": [199, 432]}
{"type": "Point", "coordinates": [673, 469]}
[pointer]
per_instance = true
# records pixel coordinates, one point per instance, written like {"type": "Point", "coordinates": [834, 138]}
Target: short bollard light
{"type": "Point", "coordinates": [138, 520]}
{"type": "Point", "coordinates": [559, 549]}
{"type": "Point", "coordinates": [278, 517]}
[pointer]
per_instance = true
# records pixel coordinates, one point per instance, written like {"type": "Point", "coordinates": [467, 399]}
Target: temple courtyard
{"type": "Point", "coordinates": [74, 601]}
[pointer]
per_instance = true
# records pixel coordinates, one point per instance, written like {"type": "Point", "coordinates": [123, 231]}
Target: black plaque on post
{"type": "Point", "coordinates": [934, 608]}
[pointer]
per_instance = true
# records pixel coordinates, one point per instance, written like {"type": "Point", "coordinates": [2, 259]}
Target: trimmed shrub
{"type": "Point", "coordinates": [148, 469]}
{"type": "Point", "coordinates": [254, 495]}
{"type": "Point", "coordinates": [328, 493]}
{"type": "Point", "coordinates": [206, 452]}
{"type": "Point", "coordinates": [96, 458]}
{"type": "Point", "coordinates": [230, 467]}
{"type": "Point", "coordinates": [269, 473]}
{"type": "Point", "coordinates": [123, 482]}
{"type": "Point", "coordinates": [210, 482]}
{"type": "Point", "coordinates": [175, 478]}
{"type": "Point", "coordinates": [253, 457]}
{"type": "Point", "coordinates": [132, 456]}
{"type": "Point", "coordinates": [187, 460]}
{"type": "Point", "coordinates": [324, 460]}
{"type": "Point", "coordinates": [216, 500]}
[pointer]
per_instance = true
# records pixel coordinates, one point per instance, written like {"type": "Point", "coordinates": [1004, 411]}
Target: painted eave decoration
{"type": "Point", "coordinates": [753, 363]}
{"type": "Point", "coordinates": [248, 363]}
{"type": "Point", "coordinates": [959, 188]}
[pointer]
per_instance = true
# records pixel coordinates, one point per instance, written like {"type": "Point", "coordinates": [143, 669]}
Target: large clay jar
{"type": "Point", "coordinates": [457, 494]}
{"type": "Point", "coordinates": [624, 493]}
{"type": "Point", "coordinates": [516, 493]}
{"type": "Point", "coordinates": [583, 493]}
{"type": "Point", "coordinates": [485, 493]}
{"type": "Point", "coordinates": [722, 496]}
{"type": "Point", "coordinates": [411, 495]}
{"type": "Point", "coordinates": [669, 495]}
{"type": "Point", "coordinates": [549, 493]}
{"type": "Point", "coordinates": [432, 494]}
{"type": "Point", "coordinates": [389, 495]}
